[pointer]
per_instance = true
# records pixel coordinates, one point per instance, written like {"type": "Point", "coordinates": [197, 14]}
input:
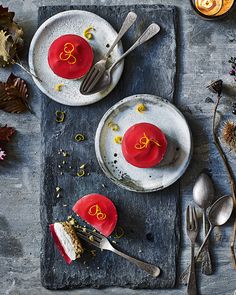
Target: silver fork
{"type": "Point", "coordinates": [98, 240]}
{"type": "Point", "coordinates": [98, 69]}
{"type": "Point", "coordinates": [192, 232]}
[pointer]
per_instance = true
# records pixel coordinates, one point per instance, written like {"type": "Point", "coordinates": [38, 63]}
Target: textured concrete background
{"type": "Point", "coordinates": [204, 49]}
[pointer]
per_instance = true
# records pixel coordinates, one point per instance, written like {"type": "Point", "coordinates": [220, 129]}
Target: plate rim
{"type": "Point", "coordinates": [31, 53]}
{"type": "Point", "coordinates": [97, 143]}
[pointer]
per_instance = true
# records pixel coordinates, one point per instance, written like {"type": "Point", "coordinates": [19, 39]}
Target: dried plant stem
{"type": "Point", "coordinates": [231, 178]}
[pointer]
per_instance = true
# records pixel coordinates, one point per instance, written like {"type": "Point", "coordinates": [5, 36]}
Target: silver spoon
{"type": "Point", "coordinates": [218, 215]}
{"type": "Point", "coordinates": [105, 80]}
{"type": "Point", "coordinates": [203, 195]}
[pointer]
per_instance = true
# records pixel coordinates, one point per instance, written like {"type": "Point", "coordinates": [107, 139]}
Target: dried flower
{"type": "Point", "coordinates": [229, 134]}
{"type": "Point", "coordinates": [2, 154]}
{"type": "Point", "coordinates": [216, 86]}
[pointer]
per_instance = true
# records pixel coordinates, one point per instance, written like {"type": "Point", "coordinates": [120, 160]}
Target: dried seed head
{"type": "Point", "coordinates": [216, 86]}
{"type": "Point", "coordinates": [229, 134]}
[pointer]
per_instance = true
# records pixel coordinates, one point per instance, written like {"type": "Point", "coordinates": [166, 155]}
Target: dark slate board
{"type": "Point", "coordinates": [151, 221]}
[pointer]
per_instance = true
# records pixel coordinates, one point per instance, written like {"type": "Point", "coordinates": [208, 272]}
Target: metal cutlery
{"type": "Point", "coordinates": [203, 195]}
{"type": "Point", "coordinates": [99, 68]}
{"type": "Point", "coordinates": [192, 232]}
{"type": "Point", "coordinates": [99, 241]}
{"type": "Point", "coordinates": [105, 79]}
{"type": "Point", "coordinates": [219, 214]}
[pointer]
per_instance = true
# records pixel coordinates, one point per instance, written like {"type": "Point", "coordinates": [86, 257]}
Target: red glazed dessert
{"type": "Point", "coordinates": [99, 211]}
{"type": "Point", "coordinates": [144, 145]}
{"type": "Point", "coordinates": [70, 56]}
{"type": "Point", "coordinates": [66, 240]}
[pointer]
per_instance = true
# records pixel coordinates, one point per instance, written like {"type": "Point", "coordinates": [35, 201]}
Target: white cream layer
{"type": "Point", "coordinates": [65, 240]}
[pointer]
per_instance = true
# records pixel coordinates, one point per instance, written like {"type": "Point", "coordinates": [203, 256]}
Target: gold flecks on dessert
{"type": "Point", "coordinates": [118, 139]}
{"type": "Point", "coordinates": [140, 108]}
{"type": "Point", "coordinates": [87, 32]}
{"type": "Point", "coordinates": [58, 87]}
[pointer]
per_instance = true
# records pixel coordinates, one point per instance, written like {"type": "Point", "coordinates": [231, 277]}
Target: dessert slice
{"type": "Point", "coordinates": [98, 211]}
{"type": "Point", "coordinates": [144, 145]}
{"type": "Point", "coordinates": [70, 56]}
{"type": "Point", "coordinates": [66, 240]}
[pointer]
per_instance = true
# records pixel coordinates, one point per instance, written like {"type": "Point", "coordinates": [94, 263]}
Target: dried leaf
{"type": "Point", "coordinates": [6, 17]}
{"type": "Point", "coordinates": [6, 133]}
{"type": "Point", "coordinates": [11, 37]}
{"type": "Point", "coordinates": [14, 95]}
{"type": "Point", "coordinates": [7, 50]}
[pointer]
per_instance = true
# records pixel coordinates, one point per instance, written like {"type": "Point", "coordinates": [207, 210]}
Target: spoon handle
{"type": "Point", "coordinates": [150, 32]}
{"type": "Point", "coordinates": [206, 257]}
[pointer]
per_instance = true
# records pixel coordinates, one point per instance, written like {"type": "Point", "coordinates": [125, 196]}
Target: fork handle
{"type": "Point", "coordinates": [128, 22]}
{"type": "Point", "coordinates": [149, 268]}
{"type": "Point", "coordinates": [192, 284]}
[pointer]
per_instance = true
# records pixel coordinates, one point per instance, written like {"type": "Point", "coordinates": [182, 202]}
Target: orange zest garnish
{"type": "Point", "coordinates": [144, 141]}
{"type": "Point", "coordinates": [95, 210]}
{"type": "Point", "coordinates": [67, 55]}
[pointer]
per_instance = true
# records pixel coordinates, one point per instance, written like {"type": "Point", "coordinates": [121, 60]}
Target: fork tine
{"type": "Point", "coordinates": [188, 217]}
{"type": "Point", "coordinates": [95, 80]}
{"type": "Point", "coordinates": [91, 77]}
{"type": "Point", "coordinates": [195, 218]}
{"type": "Point", "coordinates": [94, 233]}
{"type": "Point", "coordinates": [85, 238]}
{"type": "Point", "coordinates": [87, 77]}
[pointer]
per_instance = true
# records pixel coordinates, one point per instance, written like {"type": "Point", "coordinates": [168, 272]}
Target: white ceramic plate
{"type": "Point", "coordinates": [159, 112]}
{"type": "Point", "coordinates": [72, 22]}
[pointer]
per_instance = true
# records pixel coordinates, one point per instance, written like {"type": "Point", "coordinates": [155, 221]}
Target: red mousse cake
{"type": "Point", "coordinates": [98, 211]}
{"type": "Point", "coordinates": [144, 145]}
{"type": "Point", "coordinates": [70, 56]}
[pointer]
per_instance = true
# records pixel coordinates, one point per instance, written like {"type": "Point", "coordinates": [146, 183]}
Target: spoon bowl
{"type": "Point", "coordinates": [203, 191]}
{"type": "Point", "coordinates": [221, 211]}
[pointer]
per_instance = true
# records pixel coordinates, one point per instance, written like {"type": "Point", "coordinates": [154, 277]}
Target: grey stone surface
{"type": "Point", "coordinates": [153, 215]}
{"type": "Point", "coordinates": [200, 61]}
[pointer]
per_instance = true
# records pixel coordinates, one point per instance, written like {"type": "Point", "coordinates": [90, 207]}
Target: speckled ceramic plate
{"type": "Point", "coordinates": [72, 22]}
{"type": "Point", "coordinates": [159, 112]}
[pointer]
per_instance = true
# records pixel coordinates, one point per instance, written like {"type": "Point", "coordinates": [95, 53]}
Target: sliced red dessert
{"type": "Point", "coordinates": [66, 240]}
{"type": "Point", "coordinates": [144, 145]}
{"type": "Point", "coordinates": [70, 56]}
{"type": "Point", "coordinates": [98, 211]}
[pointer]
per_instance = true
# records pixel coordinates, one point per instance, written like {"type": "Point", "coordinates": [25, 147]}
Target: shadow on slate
{"type": "Point", "coordinates": [150, 221]}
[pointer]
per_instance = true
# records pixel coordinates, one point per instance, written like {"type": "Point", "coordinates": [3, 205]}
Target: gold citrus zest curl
{"type": "Point", "coordinates": [87, 32]}
{"type": "Point", "coordinates": [79, 137]}
{"type": "Point", "coordinates": [95, 210]}
{"type": "Point", "coordinates": [140, 108]}
{"type": "Point", "coordinates": [67, 55]}
{"type": "Point", "coordinates": [144, 141]}
{"type": "Point", "coordinates": [118, 139]}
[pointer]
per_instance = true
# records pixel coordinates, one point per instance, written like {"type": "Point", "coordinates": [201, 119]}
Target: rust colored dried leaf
{"type": "Point", "coordinates": [14, 95]}
{"type": "Point", "coordinates": [6, 133]}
